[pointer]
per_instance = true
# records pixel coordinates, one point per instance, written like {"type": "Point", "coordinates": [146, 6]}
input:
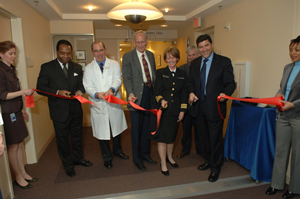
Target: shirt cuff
{"type": "Point", "coordinates": [95, 95]}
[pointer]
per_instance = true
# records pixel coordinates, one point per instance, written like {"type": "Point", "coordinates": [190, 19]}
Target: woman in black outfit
{"type": "Point", "coordinates": [170, 95]}
{"type": "Point", "coordinates": [13, 113]}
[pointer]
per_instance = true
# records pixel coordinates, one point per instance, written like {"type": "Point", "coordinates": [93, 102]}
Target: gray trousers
{"type": "Point", "coordinates": [287, 139]}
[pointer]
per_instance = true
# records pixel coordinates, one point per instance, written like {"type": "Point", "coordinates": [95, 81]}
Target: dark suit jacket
{"type": "Point", "coordinates": [172, 89]}
{"type": "Point", "coordinates": [51, 79]}
{"type": "Point", "coordinates": [185, 67]}
{"type": "Point", "coordinates": [9, 83]}
{"type": "Point", "coordinates": [220, 80]}
{"type": "Point", "coordinates": [133, 75]}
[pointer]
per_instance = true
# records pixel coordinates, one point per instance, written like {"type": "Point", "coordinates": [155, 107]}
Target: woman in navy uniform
{"type": "Point", "coordinates": [170, 95]}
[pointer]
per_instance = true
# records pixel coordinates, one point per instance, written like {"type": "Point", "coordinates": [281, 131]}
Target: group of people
{"type": "Point", "coordinates": [187, 93]}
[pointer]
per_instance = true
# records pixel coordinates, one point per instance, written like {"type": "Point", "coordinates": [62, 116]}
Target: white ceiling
{"type": "Point", "coordinates": [181, 13]}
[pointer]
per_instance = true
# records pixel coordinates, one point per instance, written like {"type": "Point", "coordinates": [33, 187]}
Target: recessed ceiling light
{"type": "Point", "coordinates": [167, 9]}
{"type": "Point", "coordinates": [90, 8]}
{"type": "Point", "coordinates": [118, 25]}
{"type": "Point", "coordinates": [164, 26]}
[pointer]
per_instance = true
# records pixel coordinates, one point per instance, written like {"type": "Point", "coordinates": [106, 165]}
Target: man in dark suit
{"type": "Point", "coordinates": [210, 76]}
{"type": "Point", "coordinates": [138, 69]}
{"type": "Point", "coordinates": [188, 121]}
{"type": "Point", "coordinates": [64, 77]}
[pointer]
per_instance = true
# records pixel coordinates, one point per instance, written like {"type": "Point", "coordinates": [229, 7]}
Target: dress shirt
{"type": "Point", "coordinates": [114, 90]}
{"type": "Point", "coordinates": [292, 77]}
{"type": "Point", "coordinates": [62, 65]}
{"type": "Point", "coordinates": [208, 64]}
{"type": "Point", "coordinates": [139, 54]}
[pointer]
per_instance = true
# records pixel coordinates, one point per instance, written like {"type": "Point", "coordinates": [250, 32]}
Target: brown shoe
{"type": "Point", "coordinates": [181, 155]}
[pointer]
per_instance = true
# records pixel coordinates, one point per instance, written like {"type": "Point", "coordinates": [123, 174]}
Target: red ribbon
{"type": "Point", "coordinates": [115, 100]}
{"type": "Point", "coordinates": [271, 101]}
{"type": "Point", "coordinates": [29, 100]}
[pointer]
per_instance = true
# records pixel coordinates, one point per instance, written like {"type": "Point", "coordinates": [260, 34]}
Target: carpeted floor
{"type": "Point", "coordinates": [124, 176]}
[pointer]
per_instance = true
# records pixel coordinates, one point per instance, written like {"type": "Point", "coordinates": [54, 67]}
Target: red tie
{"type": "Point", "coordinates": [147, 73]}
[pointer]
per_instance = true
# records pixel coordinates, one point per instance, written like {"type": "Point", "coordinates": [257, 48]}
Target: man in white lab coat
{"type": "Point", "coordinates": [103, 77]}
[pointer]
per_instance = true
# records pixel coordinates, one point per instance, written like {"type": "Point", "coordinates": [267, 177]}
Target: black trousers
{"type": "Point", "coordinates": [70, 152]}
{"type": "Point", "coordinates": [105, 149]}
{"type": "Point", "coordinates": [140, 121]}
{"type": "Point", "coordinates": [187, 125]}
{"type": "Point", "coordinates": [211, 137]}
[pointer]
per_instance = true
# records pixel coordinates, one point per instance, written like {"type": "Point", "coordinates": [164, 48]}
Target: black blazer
{"type": "Point", "coordinates": [51, 79]}
{"type": "Point", "coordinates": [172, 89]}
{"type": "Point", "coordinates": [220, 80]}
{"type": "Point", "coordinates": [9, 82]}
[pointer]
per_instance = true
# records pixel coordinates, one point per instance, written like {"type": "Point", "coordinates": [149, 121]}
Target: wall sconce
{"type": "Point", "coordinates": [227, 27]}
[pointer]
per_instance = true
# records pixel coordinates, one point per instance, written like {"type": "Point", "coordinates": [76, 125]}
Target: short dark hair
{"type": "Point", "coordinates": [100, 42]}
{"type": "Point", "coordinates": [203, 38]}
{"type": "Point", "coordinates": [295, 41]}
{"type": "Point", "coordinates": [172, 51]}
{"type": "Point", "coordinates": [63, 41]}
{"type": "Point", "coordinates": [6, 46]}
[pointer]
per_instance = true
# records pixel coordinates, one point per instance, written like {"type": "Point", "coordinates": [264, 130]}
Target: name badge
{"type": "Point", "coordinates": [13, 117]}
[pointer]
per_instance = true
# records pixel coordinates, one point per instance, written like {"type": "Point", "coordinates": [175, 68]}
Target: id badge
{"type": "Point", "coordinates": [13, 117]}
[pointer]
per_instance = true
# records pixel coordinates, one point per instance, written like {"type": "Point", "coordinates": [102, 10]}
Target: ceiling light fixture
{"type": "Point", "coordinates": [166, 10]}
{"type": "Point", "coordinates": [164, 26]}
{"type": "Point", "coordinates": [118, 25]}
{"type": "Point", "coordinates": [90, 8]}
{"type": "Point", "coordinates": [135, 12]}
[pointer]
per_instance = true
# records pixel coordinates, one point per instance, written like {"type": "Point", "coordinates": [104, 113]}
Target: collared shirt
{"type": "Point", "coordinates": [173, 72]}
{"type": "Point", "coordinates": [103, 69]}
{"type": "Point", "coordinates": [208, 64]}
{"type": "Point", "coordinates": [62, 65]}
{"type": "Point", "coordinates": [101, 62]}
{"type": "Point", "coordinates": [291, 79]}
{"type": "Point", "coordinates": [139, 54]}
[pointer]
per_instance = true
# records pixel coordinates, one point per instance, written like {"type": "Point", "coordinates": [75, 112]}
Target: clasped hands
{"type": "Point", "coordinates": [101, 95]}
{"type": "Point", "coordinates": [193, 98]}
{"type": "Point", "coordinates": [287, 105]}
{"type": "Point", "coordinates": [66, 93]}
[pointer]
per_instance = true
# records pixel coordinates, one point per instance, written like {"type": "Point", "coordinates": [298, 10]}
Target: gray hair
{"type": "Point", "coordinates": [190, 48]}
{"type": "Point", "coordinates": [141, 31]}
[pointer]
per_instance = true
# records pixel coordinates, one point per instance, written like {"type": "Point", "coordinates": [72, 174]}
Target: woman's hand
{"type": "Point", "coordinates": [180, 117]}
{"type": "Point", "coordinates": [25, 116]}
{"type": "Point", "coordinates": [279, 95]}
{"type": "Point", "coordinates": [287, 105]}
{"type": "Point", "coordinates": [164, 104]}
{"type": "Point", "coordinates": [28, 92]}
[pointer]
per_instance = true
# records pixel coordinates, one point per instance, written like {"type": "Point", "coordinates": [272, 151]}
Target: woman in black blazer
{"type": "Point", "coordinates": [170, 95]}
{"type": "Point", "coordinates": [13, 113]}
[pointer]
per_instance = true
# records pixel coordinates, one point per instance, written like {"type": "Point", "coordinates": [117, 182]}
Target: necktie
{"type": "Point", "coordinates": [147, 73]}
{"type": "Point", "coordinates": [202, 80]}
{"type": "Point", "coordinates": [173, 73]}
{"type": "Point", "coordinates": [101, 67]}
{"type": "Point", "coordinates": [65, 70]}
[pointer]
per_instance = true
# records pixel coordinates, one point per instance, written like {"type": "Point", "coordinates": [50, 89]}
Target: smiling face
{"type": "Point", "coordinates": [9, 56]}
{"type": "Point", "coordinates": [99, 52]}
{"type": "Point", "coordinates": [295, 52]}
{"type": "Point", "coordinates": [205, 48]}
{"type": "Point", "coordinates": [192, 55]}
{"type": "Point", "coordinates": [140, 42]}
{"type": "Point", "coordinates": [64, 53]}
{"type": "Point", "coordinates": [171, 61]}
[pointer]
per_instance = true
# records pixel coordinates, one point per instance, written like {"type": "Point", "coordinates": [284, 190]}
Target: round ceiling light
{"type": "Point", "coordinates": [135, 12]}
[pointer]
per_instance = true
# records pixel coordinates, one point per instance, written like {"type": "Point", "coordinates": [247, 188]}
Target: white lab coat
{"type": "Point", "coordinates": [111, 116]}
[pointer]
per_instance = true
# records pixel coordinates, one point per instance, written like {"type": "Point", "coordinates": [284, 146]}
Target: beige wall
{"type": "Point", "coordinates": [76, 27]}
{"type": "Point", "coordinates": [37, 45]}
{"type": "Point", "coordinates": [260, 33]}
